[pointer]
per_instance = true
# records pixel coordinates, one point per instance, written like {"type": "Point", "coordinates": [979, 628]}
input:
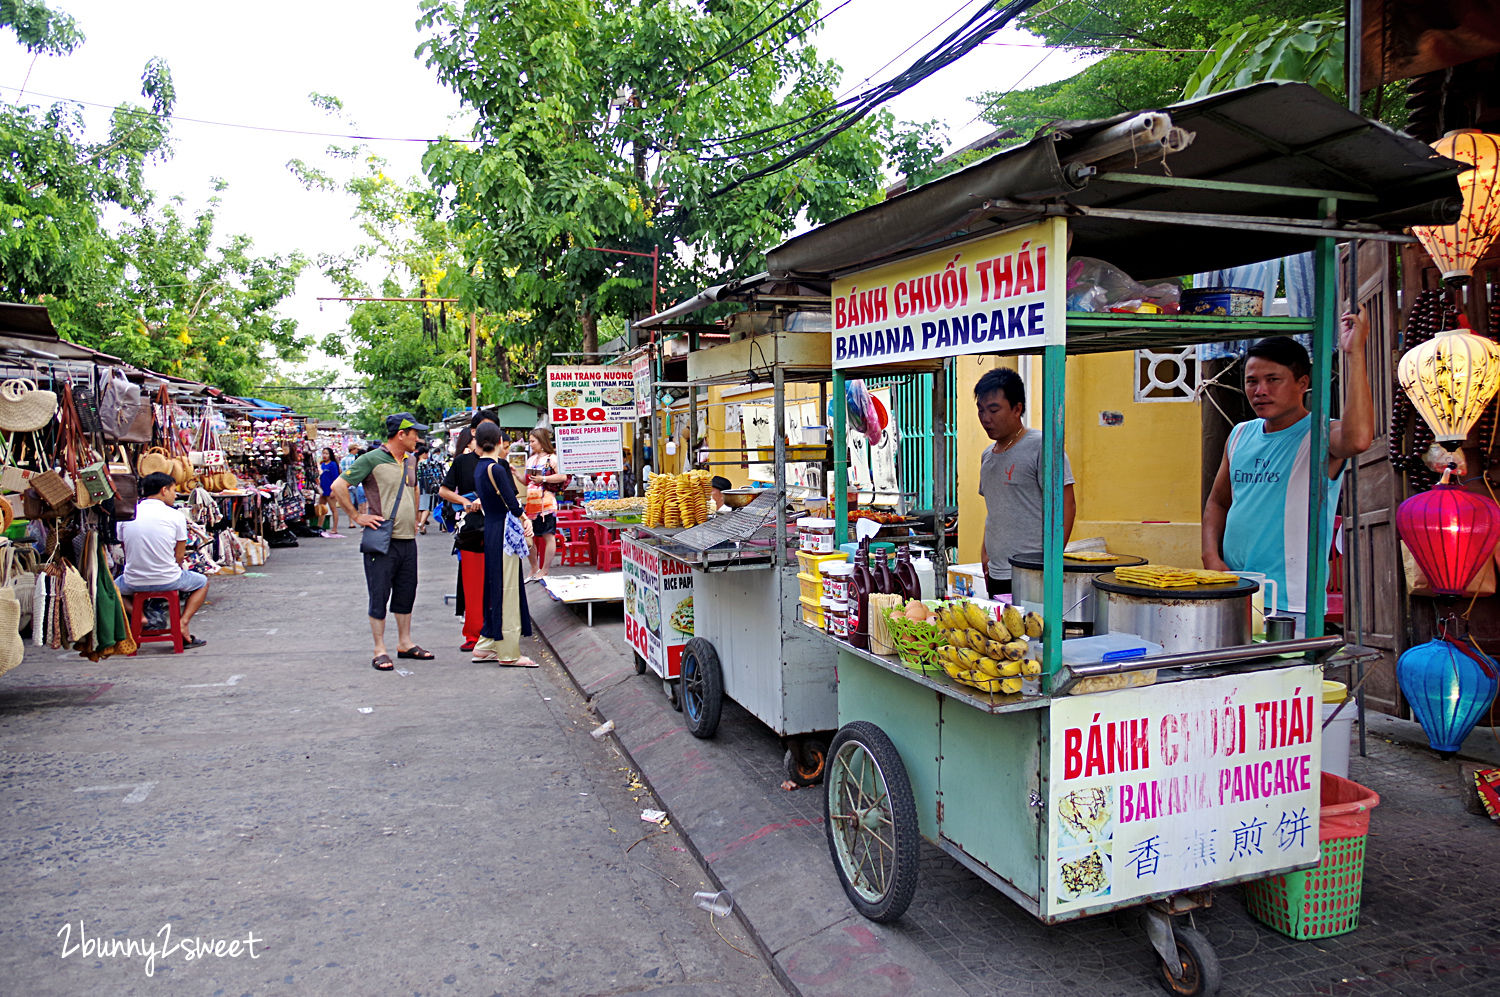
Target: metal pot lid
{"type": "Point", "coordinates": [1229, 590]}
{"type": "Point", "coordinates": [1033, 562]}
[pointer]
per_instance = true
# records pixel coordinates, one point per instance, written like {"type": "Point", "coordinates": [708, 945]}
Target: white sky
{"type": "Point", "coordinates": [257, 63]}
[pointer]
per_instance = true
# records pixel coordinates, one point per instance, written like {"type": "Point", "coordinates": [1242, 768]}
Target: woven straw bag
{"type": "Point", "coordinates": [23, 407]}
{"type": "Point", "coordinates": [77, 606]}
{"type": "Point", "coordinates": [12, 648]}
{"type": "Point", "coordinates": [153, 460]}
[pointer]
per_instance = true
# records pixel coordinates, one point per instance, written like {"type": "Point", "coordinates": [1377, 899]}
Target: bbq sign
{"type": "Point", "coordinates": [590, 394]}
{"type": "Point", "coordinates": [998, 294]}
{"type": "Point", "coordinates": [1161, 790]}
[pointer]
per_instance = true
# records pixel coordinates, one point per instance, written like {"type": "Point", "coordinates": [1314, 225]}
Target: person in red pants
{"type": "Point", "coordinates": [468, 536]}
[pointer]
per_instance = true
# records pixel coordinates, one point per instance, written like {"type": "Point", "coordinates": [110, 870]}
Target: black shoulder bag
{"type": "Point", "coordinates": [377, 539]}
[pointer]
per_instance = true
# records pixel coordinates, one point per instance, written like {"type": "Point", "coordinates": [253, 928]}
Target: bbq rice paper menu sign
{"type": "Point", "coordinates": [658, 606]}
{"type": "Point", "coordinates": [590, 394]}
{"type": "Point", "coordinates": [589, 448]}
{"type": "Point", "coordinates": [992, 295]}
{"type": "Point", "coordinates": [1158, 789]}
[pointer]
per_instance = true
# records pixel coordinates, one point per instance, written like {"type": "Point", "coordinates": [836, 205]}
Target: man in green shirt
{"type": "Point", "coordinates": [387, 472]}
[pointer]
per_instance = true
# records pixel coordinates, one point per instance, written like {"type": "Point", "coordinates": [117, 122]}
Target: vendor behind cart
{"type": "Point", "coordinates": [1010, 477]}
{"type": "Point", "coordinates": [1255, 518]}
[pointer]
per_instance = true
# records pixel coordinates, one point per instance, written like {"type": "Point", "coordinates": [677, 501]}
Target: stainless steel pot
{"type": "Point", "coordinates": [1080, 605]}
{"type": "Point", "coordinates": [1197, 619]}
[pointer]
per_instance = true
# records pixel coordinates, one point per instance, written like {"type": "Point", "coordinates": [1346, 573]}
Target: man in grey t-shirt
{"type": "Point", "coordinates": [1010, 477]}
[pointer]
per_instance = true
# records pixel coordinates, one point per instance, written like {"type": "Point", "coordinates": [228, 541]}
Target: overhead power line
{"type": "Point", "coordinates": [142, 112]}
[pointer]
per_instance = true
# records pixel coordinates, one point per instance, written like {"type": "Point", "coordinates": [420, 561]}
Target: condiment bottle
{"type": "Point", "coordinates": [859, 595]}
{"type": "Point", "coordinates": [926, 575]}
{"type": "Point", "coordinates": [906, 574]}
{"type": "Point", "coordinates": [880, 567]}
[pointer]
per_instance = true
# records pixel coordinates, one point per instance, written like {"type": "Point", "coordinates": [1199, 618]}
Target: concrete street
{"type": "Point", "coordinates": [451, 830]}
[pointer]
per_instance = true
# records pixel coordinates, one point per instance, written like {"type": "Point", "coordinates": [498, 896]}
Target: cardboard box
{"type": "Point", "coordinates": [966, 581]}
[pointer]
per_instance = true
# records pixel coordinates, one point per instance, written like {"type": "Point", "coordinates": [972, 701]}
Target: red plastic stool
{"type": "Point", "coordinates": [173, 633]}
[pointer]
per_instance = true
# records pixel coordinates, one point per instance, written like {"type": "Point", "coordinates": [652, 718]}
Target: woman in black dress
{"type": "Point", "coordinates": [506, 618]}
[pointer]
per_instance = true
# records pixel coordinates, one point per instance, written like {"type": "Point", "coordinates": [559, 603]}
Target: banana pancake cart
{"type": "Point", "coordinates": [748, 640]}
{"type": "Point", "coordinates": [1138, 783]}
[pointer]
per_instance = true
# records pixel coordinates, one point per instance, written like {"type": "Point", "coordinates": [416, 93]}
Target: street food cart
{"type": "Point", "coordinates": [1119, 783]}
{"type": "Point", "coordinates": [745, 638]}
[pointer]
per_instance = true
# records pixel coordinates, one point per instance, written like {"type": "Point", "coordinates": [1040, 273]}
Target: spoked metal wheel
{"type": "Point", "coordinates": [870, 818]}
{"type": "Point", "coordinates": [702, 691]}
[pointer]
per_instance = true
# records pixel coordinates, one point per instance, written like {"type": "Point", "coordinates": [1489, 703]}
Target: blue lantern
{"type": "Point", "coordinates": [1449, 687]}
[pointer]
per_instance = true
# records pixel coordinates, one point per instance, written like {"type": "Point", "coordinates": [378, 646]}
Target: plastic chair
{"type": "Point", "coordinates": [172, 634]}
{"type": "Point", "coordinates": [572, 544]}
{"type": "Point", "coordinates": [604, 552]}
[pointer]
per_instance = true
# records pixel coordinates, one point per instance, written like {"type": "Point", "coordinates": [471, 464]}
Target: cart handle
{"type": "Point", "coordinates": [1318, 647]}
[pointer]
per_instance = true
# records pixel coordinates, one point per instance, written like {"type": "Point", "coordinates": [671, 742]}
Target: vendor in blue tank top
{"type": "Point", "coordinates": [1255, 518]}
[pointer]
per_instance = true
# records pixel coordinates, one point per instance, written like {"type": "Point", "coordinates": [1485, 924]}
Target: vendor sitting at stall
{"type": "Point", "coordinates": [1255, 518]}
{"type": "Point", "coordinates": [155, 548]}
{"type": "Point", "coordinates": [1010, 477]}
{"type": "Point", "coordinates": [717, 486]}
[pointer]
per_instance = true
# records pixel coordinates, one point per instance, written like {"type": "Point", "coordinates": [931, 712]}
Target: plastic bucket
{"type": "Point", "coordinates": [1338, 732]}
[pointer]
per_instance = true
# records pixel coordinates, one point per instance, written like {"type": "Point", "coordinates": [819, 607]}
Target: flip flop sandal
{"type": "Point", "coordinates": [193, 642]}
{"type": "Point", "coordinates": [484, 660]}
{"type": "Point", "coordinates": [383, 663]}
{"type": "Point", "coordinates": [519, 663]}
{"type": "Point", "coordinates": [467, 645]}
{"type": "Point", "coordinates": [416, 651]}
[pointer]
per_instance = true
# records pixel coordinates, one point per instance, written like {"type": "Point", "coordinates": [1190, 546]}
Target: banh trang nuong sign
{"type": "Point", "coordinates": [590, 394]}
{"type": "Point", "coordinates": [1002, 293]}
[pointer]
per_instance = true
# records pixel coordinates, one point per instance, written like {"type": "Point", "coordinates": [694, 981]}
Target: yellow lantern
{"type": "Point", "coordinates": [1456, 248]}
{"type": "Point", "coordinates": [1450, 379]}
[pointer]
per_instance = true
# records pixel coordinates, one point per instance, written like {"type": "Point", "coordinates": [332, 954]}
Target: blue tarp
{"type": "Point", "coordinates": [266, 410]}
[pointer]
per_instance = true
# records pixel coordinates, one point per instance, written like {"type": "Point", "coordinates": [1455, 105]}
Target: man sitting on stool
{"type": "Point", "coordinates": [155, 547]}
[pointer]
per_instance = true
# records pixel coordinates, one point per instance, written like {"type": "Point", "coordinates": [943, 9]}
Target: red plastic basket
{"type": "Point", "coordinates": [1322, 901]}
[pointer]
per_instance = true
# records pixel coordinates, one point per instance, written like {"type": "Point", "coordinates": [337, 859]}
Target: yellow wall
{"type": "Point", "coordinates": [1137, 484]}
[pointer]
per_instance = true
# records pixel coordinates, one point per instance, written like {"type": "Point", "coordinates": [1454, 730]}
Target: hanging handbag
{"type": "Point", "coordinates": [377, 539]}
{"type": "Point", "coordinates": [24, 408]}
{"type": "Point", "coordinates": [125, 414]}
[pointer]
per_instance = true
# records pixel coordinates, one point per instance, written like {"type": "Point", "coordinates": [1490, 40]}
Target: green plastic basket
{"type": "Point", "coordinates": [916, 643]}
{"type": "Point", "coordinates": [1322, 901]}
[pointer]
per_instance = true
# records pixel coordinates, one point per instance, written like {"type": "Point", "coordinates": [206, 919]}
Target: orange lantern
{"type": "Point", "coordinates": [1455, 248]}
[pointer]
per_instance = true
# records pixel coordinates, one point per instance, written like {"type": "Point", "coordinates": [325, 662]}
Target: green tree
{"type": "Point", "coordinates": [1148, 49]}
{"type": "Point", "coordinates": [612, 125]}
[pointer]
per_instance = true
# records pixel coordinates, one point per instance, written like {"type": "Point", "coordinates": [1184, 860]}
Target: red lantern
{"type": "Point", "coordinates": [1450, 532]}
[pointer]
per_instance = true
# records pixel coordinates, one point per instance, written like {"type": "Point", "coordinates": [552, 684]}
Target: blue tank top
{"type": "Point", "coordinates": [1267, 527]}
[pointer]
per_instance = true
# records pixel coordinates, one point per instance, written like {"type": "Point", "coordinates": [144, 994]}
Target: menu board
{"type": "Point", "coordinates": [658, 606]}
{"type": "Point", "coordinates": [590, 394]}
{"type": "Point", "coordinates": [590, 448]}
{"type": "Point", "coordinates": [1155, 791]}
{"type": "Point", "coordinates": [644, 403]}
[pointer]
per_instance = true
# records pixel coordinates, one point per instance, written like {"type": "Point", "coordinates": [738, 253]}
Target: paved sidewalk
{"type": "Point", "coordinates": [1430, 921]}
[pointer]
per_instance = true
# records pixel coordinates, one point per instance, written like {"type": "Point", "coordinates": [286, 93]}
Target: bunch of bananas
{"type": "Point", "coordinates": [677, 499]}
{"type": "Point", "coordinates": [987, 653]}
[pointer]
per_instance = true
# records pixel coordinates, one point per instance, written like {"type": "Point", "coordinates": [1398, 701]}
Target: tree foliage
{"type": "Point", "coordinates": [1172, 39]}
{"type": "Point", "coordinates": [610, 125]}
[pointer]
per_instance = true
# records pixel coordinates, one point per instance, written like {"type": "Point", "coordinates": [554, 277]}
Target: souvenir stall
{"type": "Point", "coordinates": [974, 724]}
{"type": "Point", "coordinates": [269, 452]}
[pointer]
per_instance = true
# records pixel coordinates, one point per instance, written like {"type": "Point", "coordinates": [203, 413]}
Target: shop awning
{"type": "Point", "coordinates": [1269, 135]}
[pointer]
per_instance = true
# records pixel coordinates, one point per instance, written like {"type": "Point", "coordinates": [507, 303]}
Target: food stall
{"type": "Point", "coordinates": [1149, 779]}
{"type": "Point", "coordinates": [743, 636]}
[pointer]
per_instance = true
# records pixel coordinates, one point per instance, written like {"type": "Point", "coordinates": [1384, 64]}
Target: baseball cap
{"type": "Point", "coordinates": [402, 421]}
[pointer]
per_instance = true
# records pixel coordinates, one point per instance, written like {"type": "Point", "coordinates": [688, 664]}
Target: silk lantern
{"type": "Point", "coordinates": [1448, 687]}
{"type": "Point", "coordinates": [1450, 379]}
{"type": "Point", "coordinates": [1451, 533]}
{"type": "Point", "coordinates": [1455, 248]}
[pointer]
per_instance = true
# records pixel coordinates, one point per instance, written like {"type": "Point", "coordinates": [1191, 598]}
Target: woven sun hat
{"type": "Point", "coordinates": [24, 408]}
{"type": "Point", "coordinates": [12, 648]}
{"type": "Point", "coordinates": [7, 514]}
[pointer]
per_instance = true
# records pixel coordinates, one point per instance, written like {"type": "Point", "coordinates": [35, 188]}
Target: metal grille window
{"type": "Point", "coordinates": [912, 398]}
{"type": "Point", "coordinates": [1166, 375]}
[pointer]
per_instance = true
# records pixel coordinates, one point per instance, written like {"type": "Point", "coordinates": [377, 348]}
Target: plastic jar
{"type": "Point", "coordinates": [836, 617]}
{"type": "Point", "coordinates": [815, 535]}
{"type": "Point", "coordinates": [836, 578]}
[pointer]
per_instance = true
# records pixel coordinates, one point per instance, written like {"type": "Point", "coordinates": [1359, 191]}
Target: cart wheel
{"type": "Point", "coordinates": [804, 761]}
{"type": "Point", "coordinates": [640, 664]}
{"type": "Point", "coordinates": [673, 693]}
{"type": "Point", "coordinates": [702, 691]}
{"type": "Point", "coordinates": [870, 818]}
{"type": "Point", "coordinates": [1197, 972]}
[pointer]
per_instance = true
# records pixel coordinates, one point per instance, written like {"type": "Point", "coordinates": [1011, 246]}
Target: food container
{"type": "Point", "coordinates": [812, 612]}
{"type": "Point", "coordinates": [1196, 618]}
{"type": "Point", "coordinates": [815, 535]}
{"type": "Point", "coordinates": [1223, 301]}
{"type": "Point", "coordinates": [836, 577]}
{"type": "Point", "coordinates": [1080, 607]}
{"type": "Point", "coordinates": [738, 498]}
{"type": "Point", "coordinates": [836, 617]}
